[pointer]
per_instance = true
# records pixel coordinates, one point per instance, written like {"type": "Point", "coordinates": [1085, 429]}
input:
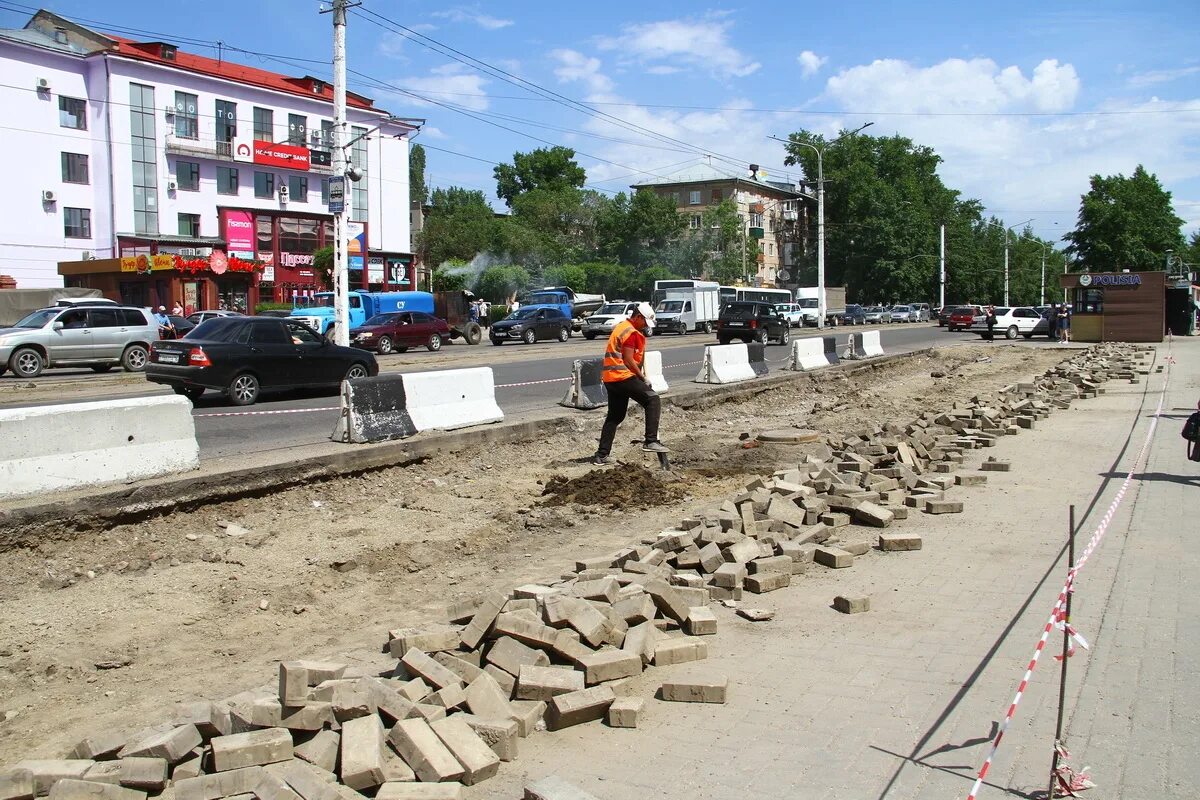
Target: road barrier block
{"type": "Point", "coordinates": [726, 363]}
{"type": "Point", "coordinates": [871, 344]}
{"type": "Point", "coordinates": [587, 389]}
{"type": "Point", "coordinates": [808, 354]}
{"type": "Point", "coordinates": [61, 447]}
{"type": "Point", "coordinates": [397, 406]}
{"type": "Point", "coordinates": [653, 368]}
{"type": "Point", "coordinates": [854, 347]}
{"type": "Point", "coordinates": [757, 354]}
{"type": "Point", "coordinates": [830, 347]}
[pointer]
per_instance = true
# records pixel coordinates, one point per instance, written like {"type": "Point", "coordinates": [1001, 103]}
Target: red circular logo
{"type": "Point", "coordinates": [218, 262]}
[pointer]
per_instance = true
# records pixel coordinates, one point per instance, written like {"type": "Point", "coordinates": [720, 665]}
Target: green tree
{"type": "Point", "coordinates": [727, 253]}
{"type": "Point", "coordinates": [571, 275]}
{"type": "Point", "coordinates": [449, 279]}
{"type": "Point", "coordinates": [459, 226]}
{"type": "Point", "coordinates": [643, 281]}
{"type": "Point", "coordinates": [1125, 223]}
{"type": "Point", "coordinates": [606, 278]}
{"type": "Point", "coordinates": [550, 169]}
{"type": "Point", "coordinates": [497, 284]}
{"type": "Point", "coordinates": [417, 190]}
{"type": "Point", "coordinates": [323, 266]}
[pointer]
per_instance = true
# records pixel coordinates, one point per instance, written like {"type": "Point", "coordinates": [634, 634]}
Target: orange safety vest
{"type": "Point", "coordinates": [614, 368]}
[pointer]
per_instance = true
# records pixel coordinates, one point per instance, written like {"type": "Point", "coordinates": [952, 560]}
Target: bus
{"type": "Point", "coordinates": [755, 295]}
{"type": "Point", "coordinates": [662, 287]}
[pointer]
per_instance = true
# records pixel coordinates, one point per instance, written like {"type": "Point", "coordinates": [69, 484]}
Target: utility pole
{"type": "Point", "coordinates": [341, 263]}
{"type": "Point", "coordinates": [942, 267]}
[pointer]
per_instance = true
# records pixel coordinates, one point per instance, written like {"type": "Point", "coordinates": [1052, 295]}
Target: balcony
{"type": "Point", "coordinates": [179, 146]}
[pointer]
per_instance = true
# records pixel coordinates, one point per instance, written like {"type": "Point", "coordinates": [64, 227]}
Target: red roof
{"type": "Point", "coordinates": [303, 87]}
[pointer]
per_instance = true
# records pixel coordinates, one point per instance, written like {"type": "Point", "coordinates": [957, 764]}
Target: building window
{"type": "Point", "coordinates": [694, 221]}
{"type": "Point", "coordinates": [264, 184]}
{"type": "Point", "coordinates": [227, 180]}
{"type": "Point", "coordinates": [716, 196]}
{"type": "Point", "coordinates": [325, 191]}
{"type": "Point", "coordinates": [74, 168]}
{"type": "Point", "coordinates": [770, 249]}
{"type": "Point", "coordinates": [1088, 301]}
{"type": "Point", "coordinates": [77, 223]}
{"type": "Point", "coordinates": [189, 225]}
{"type": "Point", "coordinates": [756, 220]}
{"type": "Point", "coordinates": [187, 119]}
{"type": "Point", "coordinates": [264, 125]}
{"type": "Point", "coordinates": [358, 157]}
{"type": "Point", "coordinates": [298, 188]}
{"type": "Point", "coordinates": [694, 197]}
{"type": "Point", "coordinates": [297, 129]}
{"type": "Point", "coordinates": [72, 113]}
{"type": "Point", "coordinates": [226, 130]}
{"type": "Point", "coordinates": [326, 134]}
{"type": "Point", "coordinates": [144, 149]}
{"type": "Point", "coordinates": [187, 175]}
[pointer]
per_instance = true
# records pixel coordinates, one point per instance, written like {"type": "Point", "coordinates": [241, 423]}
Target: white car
{"type": "Point", "coordinates": [602, 321]}
{"type": "Point", "coordinates": [1013, 322]}
{"type": "Point", "coordinates": [792, 313]}
{"type": "Point", "coordinates": [905, 314]}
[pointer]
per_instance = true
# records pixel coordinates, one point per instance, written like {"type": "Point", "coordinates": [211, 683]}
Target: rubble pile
{"type": "Point", "coordinates": [565, 650]}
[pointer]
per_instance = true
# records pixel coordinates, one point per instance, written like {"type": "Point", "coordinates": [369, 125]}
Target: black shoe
{"type": "Point", "coordinates": [603, 461]}
{"type": "Point", "coordinates": [655, 447]}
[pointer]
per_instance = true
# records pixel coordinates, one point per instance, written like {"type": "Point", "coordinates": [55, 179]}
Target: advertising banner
{"type": "Point", "coordinates": [356, 243]}
{"type": "Point", "coordinates": [239, 233]}
{"type": "Point", "coordinates": [283, 156]}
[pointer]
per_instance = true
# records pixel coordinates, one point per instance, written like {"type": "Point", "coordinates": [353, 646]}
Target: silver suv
{"type": "Point", "coordinates": [99, 336]}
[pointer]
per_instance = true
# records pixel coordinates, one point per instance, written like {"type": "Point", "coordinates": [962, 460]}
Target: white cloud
{"type": "Point", "coordinates": [575, 66]}
{"type": "Point", "coordinates": [696, 43]}
{"type": "Point", "coordinates": [450, 83]}
{"type": "Point", "coordinates": [1153, 77]}
{"type": "Point", "coordinates": [474, 16]}
{"type": "Point", "coordinates": [810, 63]}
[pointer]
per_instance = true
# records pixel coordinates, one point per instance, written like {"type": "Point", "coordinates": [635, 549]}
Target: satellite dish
{"type": "Point", "coordinates": [784, 275]}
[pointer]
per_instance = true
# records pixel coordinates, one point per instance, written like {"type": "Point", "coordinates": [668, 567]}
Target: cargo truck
{"type": "Point", "coordinates": [808, 298]}
{"type": "Point", "coordinates": [453, 307]}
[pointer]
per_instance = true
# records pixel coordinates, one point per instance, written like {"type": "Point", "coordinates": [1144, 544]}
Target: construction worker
{"type": "Point", "coordinates": [624, 380]}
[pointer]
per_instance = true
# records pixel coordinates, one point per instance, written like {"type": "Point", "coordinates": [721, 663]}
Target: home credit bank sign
{"type": "Point", "coordinates": [282, 156]}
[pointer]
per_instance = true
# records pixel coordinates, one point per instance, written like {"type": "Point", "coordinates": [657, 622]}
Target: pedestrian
{"type": "Point", "coordinates": [624, 379]}
{"type": "Point", "coordinates": [473, 311]}
{"type": "Point", "coordinates": [1064, 324]}
{"type": "Point", "coordinates": [166, 330]}
{"type": "Point", "coordinates": [485, 313]}
{"type": "Point", "coordinates": [1191, 432]}
{"type": "Point", "coordinates": [990, 320]}
{"type": "Point", "coordinates": [177, 309]}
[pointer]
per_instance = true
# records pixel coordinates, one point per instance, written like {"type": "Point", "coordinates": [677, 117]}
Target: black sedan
{"type": "Point", "coordinates": [243, 356]}
{"type": "Point", "coordinates": [530, 324]}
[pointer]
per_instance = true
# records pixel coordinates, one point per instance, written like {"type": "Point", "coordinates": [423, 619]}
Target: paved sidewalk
{"type": "Point", "coordinates": [902, 702]}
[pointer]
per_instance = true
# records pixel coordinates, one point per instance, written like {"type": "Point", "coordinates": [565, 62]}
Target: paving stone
{"type": "Point", "coordinates": [944, 507]}
{"type": "Point", "coordinates": [835, 519]}
{"type": "Point", "coordinates": [17, 784]}
{"type": "Point", "coordinates": [701, 621]}
{"type": "Point", "coordinates": [721, 593]}
{"type": "Point", "coordinates": [575, 708]}
{"type": "Point", "coordinates": [362, 762]}
{"type": "Point", "coordinates": [312, 716]}
{"type": "Point", "coordinates": [222, 784]}
{"type": "Point", "coordinates": [422, 750]}
{"type": "Point", "coordinates": [543, 683]}
{"type": "Point", "coordinates": [172, 744]}
{"type": "Point", "coordinates": [104, 772]}
{"type": "Point", "coordinates": [70, 789]}
{"type": "Point", "coordinates": [273, 787]}
{"type": "Point", "coordinates": [422, 666]}
{"type": "Point", "coordinates": [293, 683]}
{"type": "Point", "coordinates": [995, 466]}
{"type": "Point", "coordinates": [624, 712]}
{"type": "Point", "coordinates": [755, 614]}
{"type": "Point", "coordinates": [147, 774]}
{"type": "Point", "coordinates": [768, 582]}
{"type": "Point", "coordinates": [385, 697]}
{"type": "Point", "coordinates": [249, 749]}
{"type": "Point", "coordinates": [729, 576]}
{"type": "Point", "coordinates": [899, 541]}
{"type": "Point", "coordinates": [833, 557]}
{"type": "Point", "coordinates": [448, 698]}
{"type": "Point", "coordinates": [679, 650]}
{"type": "Point", "coordinates": [852, 604]}
{"type": "Point", "coordinates": [610, 665]}
{"type": "Point", "coordinates": [636, 610]}
{"type": "Point", "coordinates": [526, 714]}
{"type": "Point", "coordinates": [99, 745]}
{"type": "Point", "coordinates": [427, 711]}
{"type": "Point", "coordinates": [528, 631]}
{"type": "Point", "coordinates": [667, 600]}
{"type": "Point", "coordinates": [428, 639]}
{"type": "Point", "coordinates": [875, 515]}
{"type": "Point", "coordinates": [568, 646]}
{"type": "Point", "coordinates": [970, 479]}
{"type": "Point", "coordinates": [781, 563]}
{"type": "Point", "coordinates": [321, 750]}
{"type": "Point", "coordinates": [482, 619]}
{"type": "Point", "coordinates": [420, 791]}
{"type": "Point", "coordinates": [413, 689]}
{"type": "Point", "coordinates": [740, 552]}
{"type": "Point", "coordinates": [695, 690]}
{"type": "Point", "coordinates": [506, 681]}
{"type": "Point", "coordinates": [640, 640]}
{"type": "Point", "coordinates": [211, 719]}
{"type": "Point", "coordinates": [477, 759]}
{"type": "Point", "coordinates": [501, 735]}
{"type": "Point", "coordinates": [555, 788]}
{"type": "Point", "coordinates": [856, 548]}
{"type": "Point", "coordinates": [508, 654]}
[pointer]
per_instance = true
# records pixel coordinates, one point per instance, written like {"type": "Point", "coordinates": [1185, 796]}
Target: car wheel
{"type": "Point", "coordinates": [243, 389]}
{"type": "Point", "coordinates": [403, 348]}
{"type": "Point", "coordinates": [384, 345]}
{"type": "Point", "coordinates": [1011, 333]}
{"type": "Point", "coordinates": [474, 333]}
{"type": "Point", "coordinates": [101, 367]}
{"type": "Point", "coordinates": [190, 392]}
{"type": "Point", "coordinates": [497, 342]}
{"type": "Point", "coordinates": [708, 328]}
{"type": "Point", "coordinates": [589, 336]}
{"type": "Point", "coordinates": [563, 334]}
{"type": "Point", "coordinates": [952, 328]}
{"type": "Point", "coordinates": [134, 358]}
{"type": "Point", "coordinates": [529, 337]}
{"type": "Point", "coordinates": [1028, 335]}
{"type": "Point", "coordinates": [26, 363]}
{"type": "Point", "coordinates": [356, 371]}
{"type": "Point", "coordinates": [434, 344]}
{"type": "Point", "coordinates": [761, 337]}
{"type": "Point", "coordinates": [785, 337]}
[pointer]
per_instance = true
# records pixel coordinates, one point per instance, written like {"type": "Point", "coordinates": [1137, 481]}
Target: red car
{"type": "Point", "coordinates": [396, 331]}
{"type": "Point", "coordinates": [962, 317]}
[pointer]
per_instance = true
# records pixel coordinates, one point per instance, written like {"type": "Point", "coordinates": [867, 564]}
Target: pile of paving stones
{"type": "Point", "coordinates": [563, 651]}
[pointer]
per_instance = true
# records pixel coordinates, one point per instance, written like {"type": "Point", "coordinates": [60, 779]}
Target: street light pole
{"type": "Point", "coordinates": [341, 264]}
{"type": "Point", "coordinates": [1006, 232]}
{"type": "Point", "coordinates": [821, 215]}
{"type": "Point", "coordinates": [942, 266]}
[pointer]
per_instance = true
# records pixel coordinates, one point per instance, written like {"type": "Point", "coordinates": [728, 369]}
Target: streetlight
{"type": "Point", "coordinates": [821, 214]}
{"type": "Point", "coordinates": [1006, 231]}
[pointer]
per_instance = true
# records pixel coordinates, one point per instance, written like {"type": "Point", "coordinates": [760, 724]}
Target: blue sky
{"type": "Point", "coordinates": [1024, 101]}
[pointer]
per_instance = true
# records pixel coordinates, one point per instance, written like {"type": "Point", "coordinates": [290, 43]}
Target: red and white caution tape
{"type": "Point", "coordinates": [1058, 613]}
{"type": "Point", "coordinates": [258, 413]}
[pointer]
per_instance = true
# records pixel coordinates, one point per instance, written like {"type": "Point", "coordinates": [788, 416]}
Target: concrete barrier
{"type": "Point", "coordinates": [756, 352]}
{"type": "Point", "coordinates": [397, 406]}
{"type": "Point", "coordinates": [854, 347]}
{"type": "Point", "coordinates": [726, 363]}
{"type": "Point", "coordinates": [586, 390]}
{"type": "Point", "coordinates": [871, 344]}
{"type": "Point", "coordinates": [830, 347]}
{"type": "Point", "coordinates": [53, 448]}
{"type": "Point", "coordinates": [654, 371]}
{"type": "Point", "coordinates": [808, 354]}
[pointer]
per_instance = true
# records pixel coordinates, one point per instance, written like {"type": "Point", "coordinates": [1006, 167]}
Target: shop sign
{"type": "Point", "coordinates": [356, 244]}
{"type": "Point", "coordinates": [1110, 279]}
{"type": "Point", "coordinates": [295, 259]}
{"type": "Point", "coordinates": [283, 156]}
{"type": "Point", "coordinates": [320, 158]}
{"type": "Point", "coordinates": [144, 263]}
{"type": "Point", "coordinates": [241, 150]}
{"type": "Point", "coordinates": [268, 275]}
{"type": "Point", "coordinates": [375, 270]}
{"type": "Point", "coordinates": [239, 233]}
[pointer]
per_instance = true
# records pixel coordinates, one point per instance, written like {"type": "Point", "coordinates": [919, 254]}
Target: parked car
{"type": "Point", "coordinates": [529, 325]}
{"type": "Point", "coordinates": [96, 335]}
{"type": "Point", "coordinates": [182, 325]}
{"type": "Point", "coordinates": [924, 314]}
{"type": "Point", "coordinates": [792, 313]}
{"type": "Point", "coordinates": [876, 315]}
{"type": "Point", "coordinates": [244, 356]}
{"type": "Point", "coordinates": [200, 316]}
{"type": "Point", "coordinates": [853, 315]}
{"type": "Point", "coordinates": [602, 321]}
{"type": "Point", "coordinates": [1013, 322]}
{"type": "Point", "coordinates": [962, 317]}
{"type": "Point", "coordinates": [904, 314]}
{"type": "Point", "coordinates": [942, 315]}
{"type": "Point", "coordinates": [396, 331]}
{"type": "Point", "coordinates": [752, 322]}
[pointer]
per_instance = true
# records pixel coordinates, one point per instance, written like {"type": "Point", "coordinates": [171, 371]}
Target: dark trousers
{"type": "Point", "coordinates": [619, 395]}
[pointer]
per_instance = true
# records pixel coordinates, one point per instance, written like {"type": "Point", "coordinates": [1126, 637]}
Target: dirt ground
{"type": "Point", "coordinates": [109, 630]}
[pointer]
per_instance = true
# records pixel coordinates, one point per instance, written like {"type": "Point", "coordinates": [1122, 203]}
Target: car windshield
{"type": "Point", "coordinates": [740, 310]}
{"type": "Point", "coordinates": [611, 308]}
{"type": "Point", "coordinates": [38, 319]}
{"type": "Point", "coordinates": [217, 329]}
{"type": "Point", "coordinates": [783, 308]}
{"type": "Point", "coordinates": [381, 319]}
{"type": "Point", "coordinates": [670, 306]}
{"type": "Point", "coordinates": [523, 313]}
{"type": "Point", "coordinates": [1000, 312]}
{"type": "Point", "coordinates": [900, 309]}
{"type": "Point", "coordinates": [808, 302]}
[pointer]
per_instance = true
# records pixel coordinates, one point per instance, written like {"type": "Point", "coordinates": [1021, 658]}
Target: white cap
{"type": "Point", "coordinates": [162, 308]}
{"type": "Point", "coordinates": [646, 311]}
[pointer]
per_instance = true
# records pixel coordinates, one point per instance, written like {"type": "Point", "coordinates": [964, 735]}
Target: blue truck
{"type": "Point", "coordinates": [454, 307]}
{"type": "Point", "coordinates": [572, 304]}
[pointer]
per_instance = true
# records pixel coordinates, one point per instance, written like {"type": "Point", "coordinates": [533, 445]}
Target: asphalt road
{"type": "Point", "coordinates": [528, 377]}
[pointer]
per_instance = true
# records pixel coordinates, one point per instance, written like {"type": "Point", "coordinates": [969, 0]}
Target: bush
{"type": "Point", "coordinates": [261, 307]}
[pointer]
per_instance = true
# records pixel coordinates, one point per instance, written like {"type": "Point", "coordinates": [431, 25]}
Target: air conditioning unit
{"type": "Point", "coordinates": [316, 138]}
{"type": "Point", "coordinates": [172, 186]}
{"type": "Point", "coordinates": [169, 111]}
{"type": "Point", "coordinates": [204, 252]}
{"type": "Point", "coordinates": [43, 84]}
{"type": "Point", "coordinates": [48, 196]}
{"type": "Point", "coordinates": [188, 252]}
{"type": "Point", "coordinates": [87, 255]}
